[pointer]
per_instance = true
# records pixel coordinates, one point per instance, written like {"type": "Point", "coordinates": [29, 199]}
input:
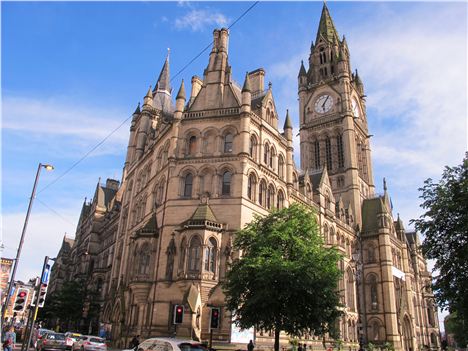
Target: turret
{"type": "Point", "coordinates": [246, 95]}
{"type": "Point", "coordinates": [302, 77]}
{"type": "Point", "coordinates": [148, 99]}
{"type": "Point", "coordinates": [162, 98]}
{"type": "Point", "coordinates": [288, 128]}
{"type": "Point", "coordinates": [180, 101]}
{"type": "Point", "coordinates": [131, 141]}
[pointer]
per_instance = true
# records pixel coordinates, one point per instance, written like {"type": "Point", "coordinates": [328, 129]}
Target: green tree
{"type": "Point", "coordinates": [286, 280]}
{"type": "Point", "coordinates": [445, 229]}
{"type": "Point", "coordinates": [66, 304]}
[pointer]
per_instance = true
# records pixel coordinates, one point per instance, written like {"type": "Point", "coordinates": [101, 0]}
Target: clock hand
{"type": "Point", "coordinates": [323, 105]}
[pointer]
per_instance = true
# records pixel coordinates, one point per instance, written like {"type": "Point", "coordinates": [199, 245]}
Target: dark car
{"type": "Point", "coordinates": [52, 341]}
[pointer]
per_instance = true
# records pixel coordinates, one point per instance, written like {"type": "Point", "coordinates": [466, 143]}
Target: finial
{"type": "Point", "coordinates": [181, 93]}
{"type": "Point", "coordinates": [385, 184]}
{"type": "Point", "coordinates": [269, 85]}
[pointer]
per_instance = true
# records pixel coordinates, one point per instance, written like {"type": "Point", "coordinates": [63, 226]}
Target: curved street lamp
{"type": "Point", "coordinates": [48, 167]}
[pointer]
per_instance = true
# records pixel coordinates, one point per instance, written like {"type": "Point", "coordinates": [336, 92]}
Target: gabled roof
{"type": "Point", "coordinates": [371, 208]}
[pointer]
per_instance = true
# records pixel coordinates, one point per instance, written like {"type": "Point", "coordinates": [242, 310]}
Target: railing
{"type": "Point", "coordinates": [211, 113]}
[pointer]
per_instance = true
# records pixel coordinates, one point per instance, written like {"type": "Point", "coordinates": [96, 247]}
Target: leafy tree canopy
{"type": "Point", "coordinates": [445, 227]}
{"type": "Point", "coordinates": [286, 280]}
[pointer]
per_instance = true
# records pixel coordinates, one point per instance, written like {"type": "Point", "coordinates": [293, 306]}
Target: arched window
{"type": "Point", "coordinates": [194, 254]}
{"type": "Point", "coordinates": [210, 256]}
{"type": "Point", "coordinates": [317, 154]}
{"type": "Point", "coordinates": [226, 186]}
{"type": "Point", "coordinates": [328, 153]}
{"type": "Point", "coordinates": [266, 154]}
{"type": "Point", "coordinates": [375, 331]}
{"type": "Point", "coordinates": [350, 289]}
{"type": "Point", "coordinates": [251, 185]}
{"type": "Point", "coordinates": [262, 193]}
{"type": "Point", "coordinates": [228, 143]}
{"type": "Point", "coordinates": [281, 166]}
{"type": "Point", "coordinates": [371, 254]}
{"type": "Point", "coordinates": [188, 183]}
{"type": "Point", "coordinates": [280, 200]}
{"type": "Point", "coordinates": [339, 146]}
{"type": "Point", "coordinates": [144, 261]}
{"type": "Point", "coordinates": [183, 252]}
{"type": "Point", "coordinates": [253, 147]}
{"type": "Point", "coordinates": [192, 145]}
{"type": "Point", "coordinates": [271, 156]}
{"type": "Point", "coordinates": [270, 197]}
{"type": "Point", "coordinates": [373, 292]}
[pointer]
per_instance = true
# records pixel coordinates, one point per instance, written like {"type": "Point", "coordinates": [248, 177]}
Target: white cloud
{"type": "Point", "coordinates": [199, 19]}
{"type": "Point", "coordinates": [43, 237]}
{"type": "Point", "coordinates": [82, 126]}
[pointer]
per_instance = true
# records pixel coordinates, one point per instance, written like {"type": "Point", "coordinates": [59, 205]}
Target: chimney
{"type": "Point", "coordinates": [257, 81]}
{"type": "Point", "coordinates": [112, 184]}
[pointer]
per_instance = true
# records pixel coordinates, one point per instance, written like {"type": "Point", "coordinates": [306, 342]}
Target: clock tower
{"type": "Point", "coordinates": [333, 122]}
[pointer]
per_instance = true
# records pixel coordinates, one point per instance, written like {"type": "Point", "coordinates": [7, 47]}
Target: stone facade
{"type": "Point", "coordinates": [198, 170]}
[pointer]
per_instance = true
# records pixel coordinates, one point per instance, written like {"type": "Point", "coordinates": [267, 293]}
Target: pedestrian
{"type": "Point", "coordinates": [250, 346]}
{"type": "Point", "coordinates": [299, 347]}
{"type": "Point", "coordinates": [10, 340]}
{"type": "Point", "coordinates": [135, 342]}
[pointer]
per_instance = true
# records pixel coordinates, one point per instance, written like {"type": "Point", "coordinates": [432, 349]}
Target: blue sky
{"type": "Point", "coordinates": [73, 71]}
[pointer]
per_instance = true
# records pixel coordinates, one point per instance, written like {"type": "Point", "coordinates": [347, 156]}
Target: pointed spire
{"type": "Point", "coordinates": [164, 81]}
{"type": "Point", "coordinates": [385, 185]}
{"type": "Point", "coordinates": [312, 46]}
{"type": "Point", "coordinates": [287, 121]}
{"type": "Point", "coordinates": [137, 110]}
{"type": "Point", "coordinates": [181, 93]}
{"type": "Point", "coordinates": [149, 94]}
{"type": "Point", "coordinates": [326, 27]}
{"type": "Point", "coordinates": [302, 71]}
{"type": "Point", "coordinates": [246, 86]}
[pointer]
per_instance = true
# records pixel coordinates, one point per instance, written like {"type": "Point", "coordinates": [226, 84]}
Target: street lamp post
{"type": "Point", "coordinates": [18, 253]}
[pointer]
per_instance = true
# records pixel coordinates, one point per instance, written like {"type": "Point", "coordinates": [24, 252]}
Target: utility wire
{"type": "Point", "coordinates": [211, 42]}
{"type": "Point", "coordinates": [127, 119]}
{"type": "Point", "coordinates": [52, 210]}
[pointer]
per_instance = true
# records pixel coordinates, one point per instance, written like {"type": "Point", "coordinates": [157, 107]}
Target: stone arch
{"type": "Point", "coordinates": [376, 332]}
{"type": "Point", "coordinates": [262, 189]}
{"type": "Point", "coordinates": [252, 182]}
{"type": "Point", "coordinates": [407, 334]}
{"type": "Point", "coordinates": [206, 179]}
{"type": "Point", "coordinates": [280, 198]}
{"type": "Point", "coordinates": [209, 140]}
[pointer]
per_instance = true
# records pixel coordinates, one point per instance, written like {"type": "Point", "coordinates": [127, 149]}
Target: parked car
{"type": "Point", "coordinates": [38, 334]}
{"type": "Point", "coordinates": [71, 338]}
{"type": "Point", "coordinates": [51, 341]}
{"type": "Point", "coordinates": [169, 344]}
{"type": "Point", "coordinates": [89, 343]}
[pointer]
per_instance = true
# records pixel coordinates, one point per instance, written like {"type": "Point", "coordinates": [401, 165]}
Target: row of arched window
{"type": "Point", "coordinates": [194, 256]}
{"type": "Point", "coordinates": [187, 189]}
{"type": "Point", "coordinates": [270, 158]}
{"type": "Point", "coordinates": [329, 153]}
{"type": "Point", "coordinates": [265, 195]}
{"type": "Point", "coordinates": [210, 143]}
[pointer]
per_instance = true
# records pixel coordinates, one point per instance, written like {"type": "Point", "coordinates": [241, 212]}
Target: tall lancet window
{"type": "Point", "coordinates": [317, 154]}
{"type": "Point", "coordinates": [340, 152]}
{"type": "Point", "coordinates": [328, 153]}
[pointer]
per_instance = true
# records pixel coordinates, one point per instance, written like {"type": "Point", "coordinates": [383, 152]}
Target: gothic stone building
{"type": "Point", "coordinates": [198, 170]}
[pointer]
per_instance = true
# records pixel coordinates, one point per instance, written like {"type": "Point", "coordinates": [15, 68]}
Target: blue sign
{"type": "Point", "coordinates": [45, 276]}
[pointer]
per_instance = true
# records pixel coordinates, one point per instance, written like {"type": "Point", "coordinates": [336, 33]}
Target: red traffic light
{"type": "Point", "coordinates": [22, 294]}
{"type": "Point", "coordinates": [179, 309]}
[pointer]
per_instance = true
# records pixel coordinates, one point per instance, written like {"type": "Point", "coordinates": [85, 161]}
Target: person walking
{"type": "Point", "coordinates": [135, 342]}
{"type": "Point", "coordinates": [10, 340]}
{"type": "Point", "coordinates": [250, 346]}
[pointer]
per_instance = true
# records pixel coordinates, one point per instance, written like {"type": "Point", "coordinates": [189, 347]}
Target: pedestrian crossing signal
{"type": "Point", "coordinates": [178, 314]}
{"type": "Point", "coordinates": [214, 323]}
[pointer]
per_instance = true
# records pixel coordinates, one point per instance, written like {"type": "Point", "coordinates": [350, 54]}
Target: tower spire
{"type": "Point", "coordinates": [326, 27]}
{"type": "Point", "coordinates": [164, 80]}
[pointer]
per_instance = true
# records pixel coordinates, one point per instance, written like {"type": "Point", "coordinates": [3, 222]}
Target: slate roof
{"type": "Point", "coordinates": [370, 209]}
{"type": "Point", "coordinates": [326, 27]}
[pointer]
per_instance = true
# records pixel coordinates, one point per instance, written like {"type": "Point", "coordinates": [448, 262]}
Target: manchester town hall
{"type": "Point", "coordinates": [198, 168]}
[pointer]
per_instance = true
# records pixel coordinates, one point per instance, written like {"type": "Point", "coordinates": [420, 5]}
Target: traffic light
{"type": "Point", "coordinates": [214, 324]}
{"type": "Point", "coordinates": [21, 299]}
{"type": "Point", "coordinates": [42, 294]}
{"type": "Point", "coordinates": [178, 314]}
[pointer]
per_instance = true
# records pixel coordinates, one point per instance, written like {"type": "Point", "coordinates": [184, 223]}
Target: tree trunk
{"type": "Point", "coordinates": [277, 337]}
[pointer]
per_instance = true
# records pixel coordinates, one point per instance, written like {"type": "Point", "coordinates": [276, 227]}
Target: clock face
{"type": "Point", "coordinates": [323, 104]}
{"type": "Point", "coordinates": [355, 107]}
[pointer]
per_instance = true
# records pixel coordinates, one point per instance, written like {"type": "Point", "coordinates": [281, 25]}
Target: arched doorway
{"type": "Point", "coordinates": [407, 335]}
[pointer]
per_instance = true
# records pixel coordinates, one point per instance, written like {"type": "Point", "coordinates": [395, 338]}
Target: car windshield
{"type": "Point", "coordinates": [98, 340]}
{"type": "Point", "coordinates": [186, 346]}
{"type": "Point", "coordinates": [56, 336]}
